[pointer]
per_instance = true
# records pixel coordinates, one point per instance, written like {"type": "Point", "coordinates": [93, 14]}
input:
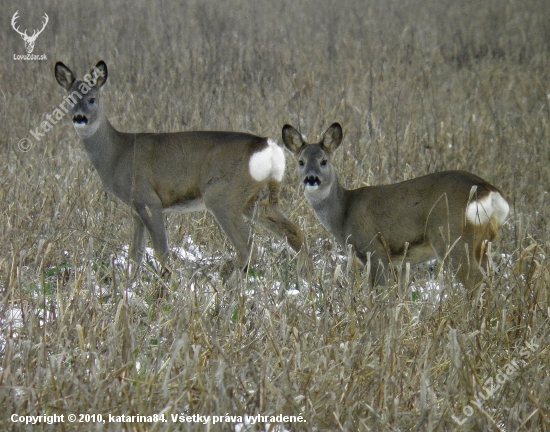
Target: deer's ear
{"type": "Point", "coordinates": [99, 72]}
{"type": "Point", "coordinates": [64, 76]}
{"type": "Point", "coordinates": [332, 138]}
{"type": "Point", "coordinates": [292, 139]}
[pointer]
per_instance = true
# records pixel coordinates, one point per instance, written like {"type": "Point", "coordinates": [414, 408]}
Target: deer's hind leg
{"type": "Point", "coordinates": [229, 215]}
{"type": "Point", "coordinates": [461, 250]}
{"type": "Point", "coordinates": [478, 237]}
{"type": "Point", "coordinates": [265, 211]}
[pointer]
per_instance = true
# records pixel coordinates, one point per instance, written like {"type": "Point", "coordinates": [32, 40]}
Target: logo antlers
{"type": "Point", "coordinates": [29, 40]}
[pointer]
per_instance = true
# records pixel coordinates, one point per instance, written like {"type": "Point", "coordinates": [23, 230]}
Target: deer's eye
{"type": "Point", "coordinates": [323, 162]}
{"type": "Point", "coordinates": [301, 163]}
{"type": "Point", "coordinates": [92, 101]}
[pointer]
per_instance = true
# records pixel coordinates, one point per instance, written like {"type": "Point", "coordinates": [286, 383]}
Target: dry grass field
{"type": "Point", "coordinates": [418, 85]}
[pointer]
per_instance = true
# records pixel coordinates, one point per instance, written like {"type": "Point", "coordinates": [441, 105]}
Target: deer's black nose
{"type": "Point", "coordinates": [312, 181]}
{"type": "Point", "coordinates": [80, 120]}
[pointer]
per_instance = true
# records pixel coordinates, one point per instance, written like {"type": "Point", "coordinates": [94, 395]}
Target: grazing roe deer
{"type": "Point", "coordinates": [229, 174]}
{"type": "Point", "coordinates": [446, 215]}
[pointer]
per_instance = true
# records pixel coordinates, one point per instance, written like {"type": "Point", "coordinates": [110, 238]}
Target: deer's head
{"type": "Point", "coordinates": [86, 105]}
{"type": "Point", "coordinates": [314, 160]}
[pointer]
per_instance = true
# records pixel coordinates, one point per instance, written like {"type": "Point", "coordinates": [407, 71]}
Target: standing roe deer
{"type": "Point", "coordinates": [450, 214]}
{"type": "Point", "coordinates": [229, 174]}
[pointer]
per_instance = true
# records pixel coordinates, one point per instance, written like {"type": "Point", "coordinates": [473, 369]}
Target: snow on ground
{"type": "Point", "coordinates": [427, 289]}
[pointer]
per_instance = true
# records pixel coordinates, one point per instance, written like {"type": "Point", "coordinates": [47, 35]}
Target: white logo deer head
{"type": "Point", "coordinates": [29, 40]}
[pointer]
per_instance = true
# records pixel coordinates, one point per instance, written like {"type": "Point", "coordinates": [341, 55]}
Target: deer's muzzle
{"type": "Point", "coordinates": [80, 120]}
{"type": "Point", "coordinates": [312, 181]}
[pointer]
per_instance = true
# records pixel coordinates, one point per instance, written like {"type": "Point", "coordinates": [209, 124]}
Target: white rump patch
{"type": "Point", "coordinates": [268, 163]}
{"type": "Point", "coordinates": [479, 212]}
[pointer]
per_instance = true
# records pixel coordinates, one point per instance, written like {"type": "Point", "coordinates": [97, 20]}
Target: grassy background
{"type": "Point", "coordinates": [418, 86]}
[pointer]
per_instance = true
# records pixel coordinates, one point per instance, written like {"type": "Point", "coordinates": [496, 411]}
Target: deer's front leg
{"type": "Point", "coordinates": [138, 239]}
{"type": "Point", "coordinates": [152, 218]}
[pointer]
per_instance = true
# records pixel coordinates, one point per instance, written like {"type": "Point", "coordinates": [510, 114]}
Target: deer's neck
{"type": "Point", "coordinates": [103, 149]}
{"type": "Point", "coordinates": [330, 208]}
